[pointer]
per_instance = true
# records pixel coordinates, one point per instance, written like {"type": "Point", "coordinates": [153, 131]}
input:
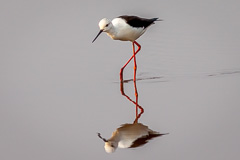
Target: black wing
{"type": "Point", "coordinates": [135, 21]}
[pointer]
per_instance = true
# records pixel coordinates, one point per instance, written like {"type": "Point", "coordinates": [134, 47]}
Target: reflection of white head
{"type": "Point", "coordinates": [110, 147]}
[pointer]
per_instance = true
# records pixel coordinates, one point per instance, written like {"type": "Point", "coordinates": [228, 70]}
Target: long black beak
{"type": "Point", "coordinates": [97, 35]}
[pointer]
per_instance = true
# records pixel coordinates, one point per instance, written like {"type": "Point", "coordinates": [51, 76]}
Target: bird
{"type": "Point", "coordinates": [129, 136]}
{"type": "Point", "coordinates": [126, 28]}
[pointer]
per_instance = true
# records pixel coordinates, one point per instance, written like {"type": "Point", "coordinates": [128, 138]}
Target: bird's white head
{"type": "Point", "coordinates": [110, 146]}
{"type": "Point", "coordinates": [105, 24]}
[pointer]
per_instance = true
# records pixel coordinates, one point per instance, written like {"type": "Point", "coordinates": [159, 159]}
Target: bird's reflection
{"type": "Point", "coordinates": [130, 135]}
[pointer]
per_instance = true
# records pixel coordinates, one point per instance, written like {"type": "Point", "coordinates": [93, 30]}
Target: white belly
{"type": "Point", "coordinates": [125, 32]}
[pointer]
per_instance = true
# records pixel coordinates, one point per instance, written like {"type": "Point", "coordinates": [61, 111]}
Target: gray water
{"type": "Point", "coordinates": [57, 89]}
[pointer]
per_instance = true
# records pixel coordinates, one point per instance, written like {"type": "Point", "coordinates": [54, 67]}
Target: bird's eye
{"type": "Point", "coordinates": [107, 25]}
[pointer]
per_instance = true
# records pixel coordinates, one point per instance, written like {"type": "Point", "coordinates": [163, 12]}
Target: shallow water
{"type": "Point", "coordinates": [58, 90]}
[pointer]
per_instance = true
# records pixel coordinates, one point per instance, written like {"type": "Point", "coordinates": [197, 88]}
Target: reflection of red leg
{"type": "Point", "coordinates": [136, 96]}
{"type": "Point", "coordinates": [136, 102]}
{"type": "Point", "coordinates": [133, 56]}
{"type": "Point", "coordinates": [137, 106]}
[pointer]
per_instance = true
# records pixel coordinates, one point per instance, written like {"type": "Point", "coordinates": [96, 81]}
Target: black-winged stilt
{"type": "Point", "coordinates": [126, 28]}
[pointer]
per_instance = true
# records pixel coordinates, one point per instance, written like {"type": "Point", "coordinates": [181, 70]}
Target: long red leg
{"type": "Point", "coordinates": [135, 63]}
{"type": "Point", "coordinates": [133, 56]}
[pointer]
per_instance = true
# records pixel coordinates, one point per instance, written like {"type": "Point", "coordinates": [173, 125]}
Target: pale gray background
{"type": "Point", "coordinates": [57, 89]}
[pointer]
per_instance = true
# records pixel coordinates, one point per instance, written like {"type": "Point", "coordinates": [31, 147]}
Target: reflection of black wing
{"type": "Point", "coordinates": [143, 140]}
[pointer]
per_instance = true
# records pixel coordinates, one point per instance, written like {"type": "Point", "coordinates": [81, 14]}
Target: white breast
{"type": "Point", "coordinates": [125, 32]}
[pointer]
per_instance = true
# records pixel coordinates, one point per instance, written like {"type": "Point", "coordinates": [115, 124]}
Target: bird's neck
{"type": "Point", "coordinates": [112, 33]}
